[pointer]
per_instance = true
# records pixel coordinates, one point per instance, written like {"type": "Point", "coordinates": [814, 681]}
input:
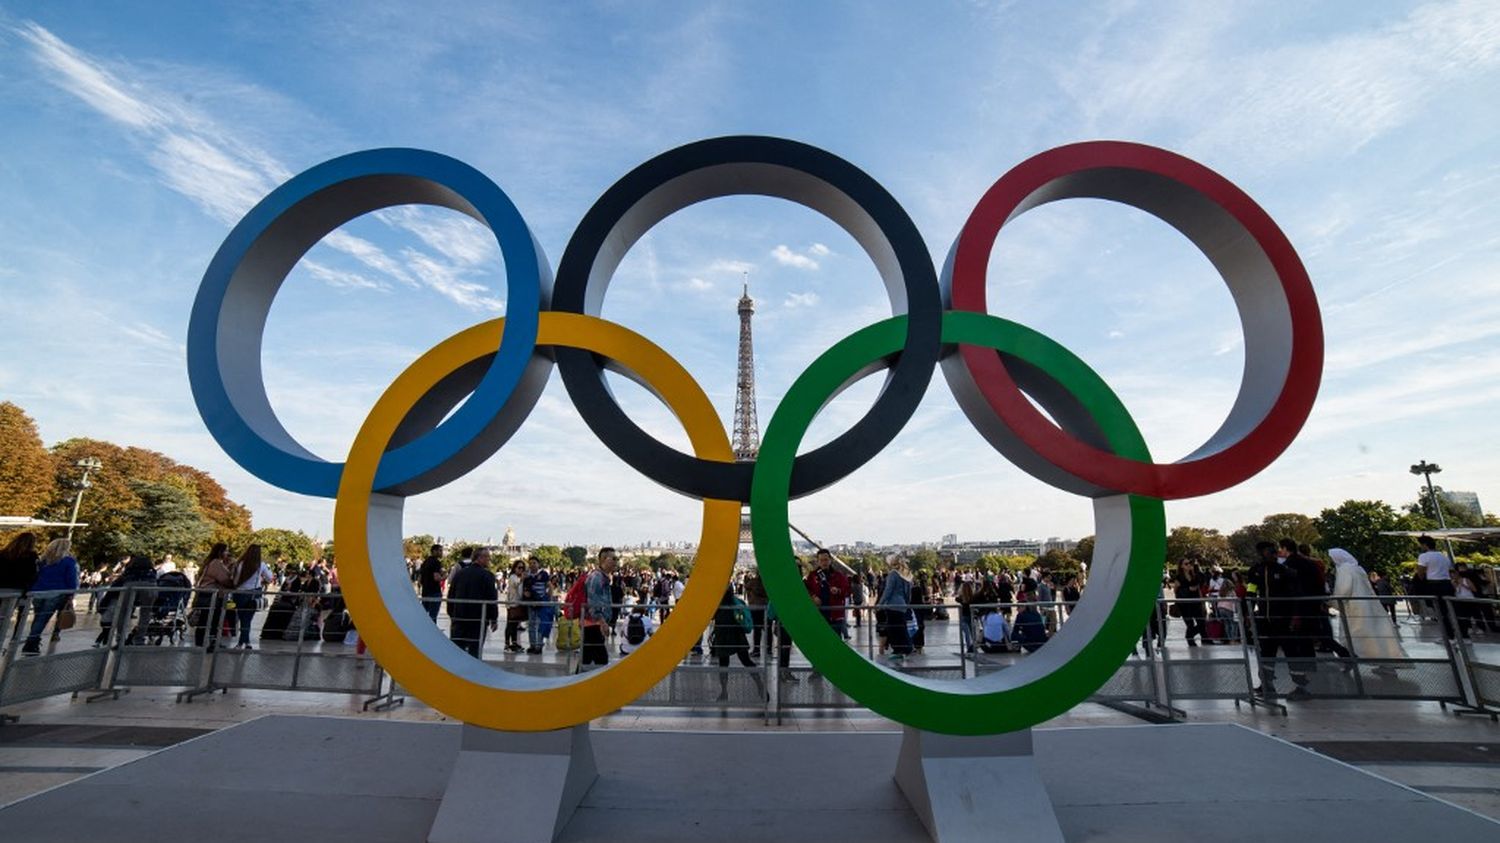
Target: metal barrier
{"type": "Point", "coordinates": [148, 636]}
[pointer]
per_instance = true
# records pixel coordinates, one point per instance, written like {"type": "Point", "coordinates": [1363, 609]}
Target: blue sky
{"type": "Point", "coordinates": [135, 135]}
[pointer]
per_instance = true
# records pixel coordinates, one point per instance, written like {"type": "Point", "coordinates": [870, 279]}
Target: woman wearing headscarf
{"type": "Point", "coordinates": [1371, 633]}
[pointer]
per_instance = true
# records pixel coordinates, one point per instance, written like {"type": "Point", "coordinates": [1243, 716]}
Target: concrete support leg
{"type": "Point", "coordinates": [954, 783]}
{"type": "Point", "coordinates": [543, 776]}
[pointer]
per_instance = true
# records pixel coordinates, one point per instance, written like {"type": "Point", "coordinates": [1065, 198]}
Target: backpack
{"type": "Point", "coordinates": [576, 599]}
{"type": "Point", "coordinates": [742, 615]}
{"type": "Point", "coordinates": [635, 630]}
{"type": "Point", "coordinates": [569, 634]}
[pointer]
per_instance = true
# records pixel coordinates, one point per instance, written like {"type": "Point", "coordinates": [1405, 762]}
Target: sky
{"type": "Point", "coordinates": [134, 136]}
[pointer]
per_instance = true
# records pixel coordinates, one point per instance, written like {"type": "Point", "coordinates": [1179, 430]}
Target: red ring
{"type": "Point", "coordinates": [1189, 478]}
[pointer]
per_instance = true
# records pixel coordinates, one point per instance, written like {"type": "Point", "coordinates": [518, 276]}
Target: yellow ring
{"type": "Point", "coordinates": [529, 704]}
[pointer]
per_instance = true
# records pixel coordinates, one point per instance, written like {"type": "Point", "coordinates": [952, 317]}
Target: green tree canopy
{"type": "Point", "coordinates": [577, 556]}
{"type": "Point", "coordinates": [292, 546]}
{"type": "Point", "coordinates": [1273, 528]}
{"type": "Point", "coordinates": [417, 547]}
{"type": "Point", "coordinates": [27, 479]}
{"type": "Point", "coordinates": [1208, 547]}
{"type": "Point", "coordinates": [1355, 526]}
{"type": "Point", "coordinates": [166, 520]}
{"type": "Point", "coordinates": [550, 555]}
{"type": "Point", "coordinates": [1084, 550]}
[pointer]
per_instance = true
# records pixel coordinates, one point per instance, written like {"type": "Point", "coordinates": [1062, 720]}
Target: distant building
{"type": "Point", "coordinates": [950, 539]}
{"type": "Point", "coordinates": [1468, 502]}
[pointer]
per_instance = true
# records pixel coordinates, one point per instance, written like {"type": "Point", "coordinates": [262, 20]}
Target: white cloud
{"type": "Point", "coordinates": [807, 299]}
{"type": "Point", "coordinates": [819, 250]}
{"type": "Point", "coordinates": [698, 285]}
{"type": "Point", "coordinates": [734, 266]}
{"type": "Point", "coordinates": [339, 278]}
{"type": "Point", "coordinates": [195, 157]}
{"type": "Point", "coordinates": [787, 257]}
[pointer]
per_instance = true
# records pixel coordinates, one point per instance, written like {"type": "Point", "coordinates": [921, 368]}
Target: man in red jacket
{"type": "Point", "coordinates": [829, 588]}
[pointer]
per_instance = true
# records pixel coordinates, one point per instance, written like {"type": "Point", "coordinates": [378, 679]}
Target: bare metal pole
{"type": "Point", "coordinates": [88, 464]}
{"type": "Point", "coordinates": [1427, 469]}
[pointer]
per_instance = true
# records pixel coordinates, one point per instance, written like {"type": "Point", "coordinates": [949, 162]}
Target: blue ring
{"type": "Point", "coordinates": [273, 236]}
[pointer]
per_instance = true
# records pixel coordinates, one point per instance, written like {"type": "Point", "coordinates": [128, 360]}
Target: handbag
{"type": "Point", "coordinates": [66, 617]}
{"type": "Point", "coordinates": [911, 624]}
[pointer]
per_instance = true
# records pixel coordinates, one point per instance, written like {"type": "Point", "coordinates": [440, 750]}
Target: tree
{"type": "Point", "coordinates": [1356, 525]}
{"type": "Point", "coordinates": [112, 497]}
{"type": "Point", "coordinates": [1273, 528]}
{"type": "Point", "coordinates": [923, 559]}
{"type": "Point", "coordinates": [294, 546]}
{"type": "Point", "coordinates": [550, 555]}
{"type": "Point", "coordinates": [1084, 550]}
{"type": "Point", "coordinates": [417, 547]}
{"type": "Point", "coordinates": [577, 556]}
{"type": "Point", "coordinates": [1057, 561]}
{"type": "Point", "coordinates": [1424, 517]}
{"type": "Point", "coordinates": [167, 520]}
{"type": "Point", "coordinates": [1209, 547]}
{"type": "Point", "coordinates": [27, 478]}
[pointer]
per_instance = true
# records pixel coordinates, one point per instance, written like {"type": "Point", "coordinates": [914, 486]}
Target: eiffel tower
{"type": "Point", "coordinates": [746, 429]}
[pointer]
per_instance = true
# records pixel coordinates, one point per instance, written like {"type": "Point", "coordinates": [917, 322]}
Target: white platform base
{"type": "Point", "coordinates": [380, 781]}
{"type": "Point", "coordinates": [514, 786]}
{"type": "Point", "coordinates": [953, 783]}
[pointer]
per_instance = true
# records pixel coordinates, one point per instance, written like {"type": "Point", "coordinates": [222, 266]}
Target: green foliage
{"type": "Point", "coordinates": [1424, 517]}
{"type": "Point", "coordinates": [166, 520]}
{"type": "Point", "coordinates": [550, 555]}
{"type": "Point", "coordinates": [1209, 547]}
{"type": "Point", "coordinates": [577, 556]}
{"type": "Point", "coordinates": [418, 546]}
{"type": "Point", "coordinates": [27, 478]}
{"type": "Point", "coordinates": [1083, 552]}
{"type": "Point", "coordinates": [1273, 528]}
{"type": "Point", "coordinates": [1356, 525]}
{"type": "Point", "coordinates": [293, 546]}
{"type": "Point", "coordinates": [1058, 561]}
{"type": "Point", "coordinates": [923, 560]}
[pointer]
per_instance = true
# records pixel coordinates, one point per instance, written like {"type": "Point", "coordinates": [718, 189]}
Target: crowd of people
{"type": "Point", "coordinates": [1284, 596]}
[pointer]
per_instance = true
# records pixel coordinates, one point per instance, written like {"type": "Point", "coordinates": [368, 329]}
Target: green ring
{"type": "Point", "coordinates": [993, 703]}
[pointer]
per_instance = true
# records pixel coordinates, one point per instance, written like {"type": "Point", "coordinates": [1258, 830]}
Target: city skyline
{"type": "Point", "coordinates": [1366, 133]}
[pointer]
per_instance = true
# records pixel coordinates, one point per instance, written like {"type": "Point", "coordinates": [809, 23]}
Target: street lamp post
{"type": "Point", "coordinates": [88, 464]}
{"type": "Point", "coordinates": [1426, 470]}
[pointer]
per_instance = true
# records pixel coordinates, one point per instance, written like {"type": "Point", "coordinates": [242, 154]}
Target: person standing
{"type": "Point", "coordinates": [829, 589]}
{"type": "Point", "coordinates": [1274, 586]}
{"type": "Point", "coordinates": [895, 601]}
{"type": "Point", "coordinates": [1435, 579]}
{"type": "Point", "coordinates": [215, 580]}
{"type": "Point", "coordinates": [756, 597]}
{"type": "Point", "coordinates": [1316, 626]}
{"type": "Point", "coordinates": [473, 604]}
{"type": "Point", "coordinates": [515, 611]}
{"type": "Point", "coordinates": [251, 576]}
{"type": "Point", "coordinates": [538, 587]}
{"type": "Point", "coordinates": [597, 609]}
{"type": "Point", "coordinates": [430, 580]}
{"type": "Point", "coordinates": [18, 563]}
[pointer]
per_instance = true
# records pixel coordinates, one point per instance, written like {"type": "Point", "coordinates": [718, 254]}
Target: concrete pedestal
{"type": "Point", "coordinates": [329, 778]}
{"type": "Point", "coordinates": [953, 782]}
{"type": "Point", "coordinates": [514, 786]}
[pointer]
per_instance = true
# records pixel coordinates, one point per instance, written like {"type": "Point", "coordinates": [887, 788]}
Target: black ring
{"type": "Point", "coordinates": [764, 166]}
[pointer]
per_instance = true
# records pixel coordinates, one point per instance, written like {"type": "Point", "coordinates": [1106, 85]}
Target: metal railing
{"type": "Point", "coordinates": [1445, 650]}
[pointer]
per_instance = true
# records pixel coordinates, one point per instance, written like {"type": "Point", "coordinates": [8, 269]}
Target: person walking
{"type": "Point", "coordinates": [473, 604]}
{"type": "Point", "coordinates": [1435, 579]}
{"type": "Point", "coordinates": [18, 563]}
{"type": "Point", "coordinates": [1188, 586]}
{"type": "Point", "coordinates": [895, 601]}
{"type": "Point", "coordinates": [1370, 637]}
{"type": "Point", "coordinates": [430, 580]}
{"type": "Point", "coordinates": [56, 580]}
{"type": "Point", "coordinates": [1274, 586]}
{"type": "Point", "coordinates": [730, 639]}
{"type": "Point", "coordinates": [829, 589]}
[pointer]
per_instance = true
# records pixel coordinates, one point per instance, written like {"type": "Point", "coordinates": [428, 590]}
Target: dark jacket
{"type": "Point", "coordinates": [430, 577]}
{"type": "Point", "coordinates": [18, 573]}
{"type": "Point", "coordinates": [473, 583]}
{"type": "Point", "coordinates": [1268, 583]}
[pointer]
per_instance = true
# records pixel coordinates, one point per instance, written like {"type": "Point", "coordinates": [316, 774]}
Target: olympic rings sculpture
{"type": "Point", "coordinates": [490, 375]}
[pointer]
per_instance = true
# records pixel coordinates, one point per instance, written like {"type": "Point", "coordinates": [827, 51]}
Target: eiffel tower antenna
{"type": "Point", "coordinates": [746, 428]}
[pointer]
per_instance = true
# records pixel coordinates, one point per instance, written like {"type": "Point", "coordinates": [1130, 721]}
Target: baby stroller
{"type": "Point", "coordinates": [169, 613]}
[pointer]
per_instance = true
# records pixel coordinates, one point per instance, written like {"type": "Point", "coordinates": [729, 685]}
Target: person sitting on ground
{"type": "Point", "coordinates": [994, 632]}
{"type": "Point", "coordinates": [1030, 630]}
